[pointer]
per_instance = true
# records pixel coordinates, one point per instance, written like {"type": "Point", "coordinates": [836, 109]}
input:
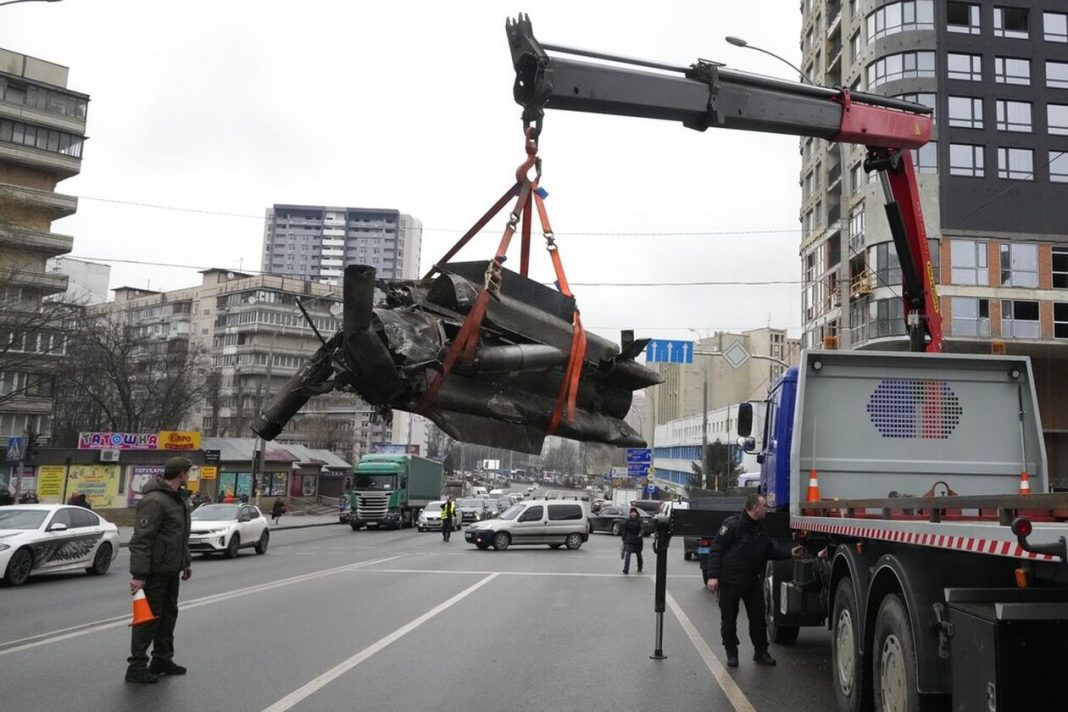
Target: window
{"type": "Point", "coordinates": [1057, 117]}
{"type": "Point", "coordinates": [533, 514]}
{"type": "Point", "coordinates": [1019, 265]}
{"type": "Point", "coordinates": [966, 112]}
{"type": "Point", "coordinates": [927, 99]}
{"type": "Point", "coordinates": [1013, 115]}
{"type": "Point", "coordinates": [1012, 71]}
{"type": "Point", "coordinates": [1011, 22]}
{"type": "Point", "coordinates": [1019, 319]}
{"type": "Point", "coordinates": [1055, 27]}
{"type": "Point", "coordinates": [1060, 320]}
{"type": "Point", "coordinates": [968, 67]}
{"type": "Point", "coordinates": [854, 42]}
{"type": "Point", "coordinates": [564, 512]}
{"type": "Point", "coordinates": [900, 17]}
{"type": "Point", "coordinates": [925, 158]}
{"type": "Point", "coordinates": [966, 160]}
{"type": "Point", "coordinates": [856, 230]}
{"type": "Point", "coordinates": [885, 264]}
{"type": "Point", "coordinates": [1016, 163]}
{"type": "Point", "coordinates": [901, 66]}
{"type": "Point", "coordinates": [968, 262]}
{"type": "Point", "coordinates": [41, 138]}
{"type": "Point", "coordinates": [886, 318]}
{"type": "Point", "coordinates": [858, 177]}
{"type": "Point", "coordinates": [1060, 267]}
{"type": "Point", "coordinates": [962, 17]}
{"type": "Point", "coordinates": [971, 316]}
{"type": "Point", "coordinates": [1057, 75]}
{"type": "Point", "coordinates": [1058, 166]}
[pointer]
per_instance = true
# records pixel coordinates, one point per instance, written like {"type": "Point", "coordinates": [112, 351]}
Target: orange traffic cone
{"type": "Point", "coordinates": [1025, 483]}
{"type": "Point", "coordinates": [813, 487]}
{"type": "Point", "coordinates": [142, 612]}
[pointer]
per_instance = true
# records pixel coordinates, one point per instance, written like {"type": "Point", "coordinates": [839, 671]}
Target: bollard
{"type": "Point", "coordinates": [661, 539]}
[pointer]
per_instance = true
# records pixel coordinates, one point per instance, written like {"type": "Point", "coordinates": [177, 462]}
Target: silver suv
{"type": "Point", "coordinates": [536, 521]}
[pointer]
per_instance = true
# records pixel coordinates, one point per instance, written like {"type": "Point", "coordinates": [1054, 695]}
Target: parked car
{"type": "Point", "coordinates": [493, 508]}
{"type": "Point", "coordinates": [227, 528]}
{"type": "Point", "coordinates": [53, 538]}
{"type": "Point", "coordinates": [536, 521]}
{"type": "Point", "coordinates": [610, 520]}
{"type": "Point", "coordinates": [652, 506]}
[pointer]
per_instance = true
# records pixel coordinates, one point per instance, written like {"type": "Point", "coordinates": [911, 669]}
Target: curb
{"type": "Point", "coordinates": [126, 544]}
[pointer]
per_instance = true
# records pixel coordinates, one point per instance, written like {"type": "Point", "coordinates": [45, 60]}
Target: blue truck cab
{"type": "Point", "coordinates": [773, 452]}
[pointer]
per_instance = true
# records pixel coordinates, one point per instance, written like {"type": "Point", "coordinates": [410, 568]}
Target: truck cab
{"type": "Point", "coordinates": [773, 450]}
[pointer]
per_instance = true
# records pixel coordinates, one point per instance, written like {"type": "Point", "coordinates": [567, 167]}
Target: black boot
{"type": "Point", "coordinates": [160, 666]}
{"type": "Point", "coordinates": [732, 656]}
{"type": "Point", "coordinates": [763, 657]}
{"type": "Point", "coordinates": [141, 676]}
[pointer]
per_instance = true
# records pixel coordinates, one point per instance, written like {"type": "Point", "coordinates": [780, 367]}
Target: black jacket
{"type": "Point", "coordinates": [160, 542]}
{"type": "Point", "coordinates": [741, 549]}
{"type": "Point", "coordinates": [632, 533]}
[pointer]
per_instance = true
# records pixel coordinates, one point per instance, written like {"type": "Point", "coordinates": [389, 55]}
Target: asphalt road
{"type": "Point", "coordinates": [331, 619]}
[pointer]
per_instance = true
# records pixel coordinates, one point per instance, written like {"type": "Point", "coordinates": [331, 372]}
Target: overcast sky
{"type": "Point", "coordinates": [230, 106]}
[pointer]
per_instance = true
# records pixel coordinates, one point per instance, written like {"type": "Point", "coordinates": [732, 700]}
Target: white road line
{"type": "Point", "coordinates": [37, 641]}
{"type": "Point", "coordinates": [337, 671]}
{"type": "Point", "coordinates": [734, 693]}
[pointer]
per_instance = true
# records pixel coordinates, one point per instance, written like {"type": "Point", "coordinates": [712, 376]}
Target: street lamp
{"type": "Point", "coordinates": [704, 413]}
{"type": "Point", "coordinates": [739, 42]}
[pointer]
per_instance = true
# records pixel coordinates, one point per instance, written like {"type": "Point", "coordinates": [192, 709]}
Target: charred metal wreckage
{"type": "Point", "coordinates": [391, 354]}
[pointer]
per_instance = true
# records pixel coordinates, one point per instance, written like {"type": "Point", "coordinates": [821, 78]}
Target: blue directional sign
{"type": "Point", "coordinates": [668, 351]}
{"type": "Point", "coordinates": [14, 449]}
{"type": "Point", "coordinates": [637, 469]}
{"type": "Point", "coordinates": [639, 455]}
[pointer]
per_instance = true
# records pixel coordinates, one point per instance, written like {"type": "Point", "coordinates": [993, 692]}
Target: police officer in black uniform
{"type": "Point", "coordinates": [735, 568]}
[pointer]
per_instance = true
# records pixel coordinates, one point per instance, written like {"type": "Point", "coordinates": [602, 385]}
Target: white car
{"type": "Point", "coordinates": [50, 538]}
{"type": "Point", "coordinates": [226, 528]}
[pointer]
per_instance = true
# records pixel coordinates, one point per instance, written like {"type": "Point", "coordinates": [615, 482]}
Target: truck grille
{"type": "Point", "coordinates": [372, 506]}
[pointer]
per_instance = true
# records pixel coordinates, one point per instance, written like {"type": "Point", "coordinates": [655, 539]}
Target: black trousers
{"type": "Point", "coordinates": [446, 528]}
{"type": "Point", "coordinates": [729, 597]}
{"type": "Point", "coordinates": [162, 595]}
{"type": "Point", "coordinates": [628, 549]}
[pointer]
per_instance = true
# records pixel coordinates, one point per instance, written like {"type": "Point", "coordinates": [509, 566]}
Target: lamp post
{"type": "Point", "coordinates": [704, 415]}
{"type": "Point", "coordinates": [739, 42]}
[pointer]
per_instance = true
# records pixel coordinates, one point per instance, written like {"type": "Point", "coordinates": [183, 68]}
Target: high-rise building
{"type": "Point", "coordinates": [87, 282]}
{"type": "Point", "coordinates": [316, 243]}
{"type": "Point", "coordinates": [993, 180]}
{"type": "Point", "coordinates": [42, 129]}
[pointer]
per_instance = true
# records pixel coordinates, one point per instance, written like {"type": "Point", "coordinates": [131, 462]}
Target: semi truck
{"type": "Point", "coordinates": [915, 480]}
{"type": "Point", "coordinates": [391, 489]}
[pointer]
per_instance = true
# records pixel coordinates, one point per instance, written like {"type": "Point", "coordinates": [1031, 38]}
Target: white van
{"type": "Point", "coordinates": [479, 492]}
{"type": "Point", "coordinates": [537, 521]}
{"type": "Point", "coordinates": [496, 493]}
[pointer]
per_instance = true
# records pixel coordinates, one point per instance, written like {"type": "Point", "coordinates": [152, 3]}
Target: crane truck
{"type": "Point", "coordinates": [905, 475]}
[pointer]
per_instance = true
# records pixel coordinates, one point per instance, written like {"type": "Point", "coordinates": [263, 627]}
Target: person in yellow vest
{"type": "Point", "coordinates": [448, 512]}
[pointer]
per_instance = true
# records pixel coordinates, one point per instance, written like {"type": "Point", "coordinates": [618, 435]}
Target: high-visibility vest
{"type": "Point", "coordinates": [448, 510]}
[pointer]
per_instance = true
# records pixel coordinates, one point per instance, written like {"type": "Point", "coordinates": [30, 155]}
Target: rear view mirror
{"type": "Point", "coordinates": [747, 444]}
{"type": "Point", "coordinates": [745, 419]}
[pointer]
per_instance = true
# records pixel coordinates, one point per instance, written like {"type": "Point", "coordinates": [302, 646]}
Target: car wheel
{"type": "Point", "coordinates": [616, 528]}
{"type": "Point", "coordinates": [894, 659]}
{"type": "Point", "coordinates": [234, 545]}
{"type": "Point", "coordinates": [482, 545]}
{"type": "Point", "coordinates": [18, 568]}
{"type": "Point", "coordinates": [102, 560]}
{"type": "Point", "coordinates": [261, 545]}
{"type": "Point", "coordinates": [574, 541]}
{"type": "Point", "coordinates": [501, 541]}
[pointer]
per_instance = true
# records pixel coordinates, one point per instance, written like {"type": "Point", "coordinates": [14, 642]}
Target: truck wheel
{"type": "Point", "coordinates": [501, 541]}
{"type": "Point", "coordinates": [781, 634]}
{"type": "Point", "coordinates": [355, 526]}
{"type": "Point", "coordinates": [894, 659]}
{"type": "Point", "coordinates": [851, 681]}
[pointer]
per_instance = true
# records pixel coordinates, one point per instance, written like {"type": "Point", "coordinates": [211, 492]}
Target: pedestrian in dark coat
{"type": "Point", "coordinates": [632, 539]}
{"type": "Point", "coordinates": [5, 495]}
{"type": "Point", "coordinates": [735, 568]}
{"type": "Point", "coordinates": [159, 557]}
{"type": "Point", "coordinates": [278, 509]}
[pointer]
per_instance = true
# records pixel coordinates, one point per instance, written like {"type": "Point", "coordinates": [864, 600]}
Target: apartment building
{"type": "Point", "coordinates": [42, 131]}
{"type": "Point", "coordinates": [993, 179]}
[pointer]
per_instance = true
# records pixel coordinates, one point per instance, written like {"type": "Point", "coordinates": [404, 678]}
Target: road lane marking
{"type": "Point", "coordinates": [57, 636]}
{"type": "Point", "coordinates": [726, 683]}
{"type": "Point", "coordinates": [337, 671]}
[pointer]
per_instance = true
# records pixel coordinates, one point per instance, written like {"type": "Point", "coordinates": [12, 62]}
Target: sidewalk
{"type": "Point", "coordinates": [288, 521]}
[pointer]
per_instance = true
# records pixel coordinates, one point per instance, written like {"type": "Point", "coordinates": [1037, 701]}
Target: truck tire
{"type": "Point", "coordinates": [852, 689]}
{"type": "Point", "coordinates": [894, 659]}
{"type": "Point", "coordinates": [355, 526]}
{"type": "Point", "coordinates": [780, 634]}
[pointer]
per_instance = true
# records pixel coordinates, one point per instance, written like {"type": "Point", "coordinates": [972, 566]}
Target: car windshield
{"type": "Point", "coordinates": [215, 512]}
{"type": "Point", "coordinates": [471, 503]}
{"type": "Point", "coordinates": [22, 518]}
{"type": "Point", "coordinates": [433, 508]}
{"type": "Point", "coordinates": [512, 512]}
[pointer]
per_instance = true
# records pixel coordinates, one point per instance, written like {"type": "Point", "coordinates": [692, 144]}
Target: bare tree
{"type": "Point", "coordinates": [118, 377]}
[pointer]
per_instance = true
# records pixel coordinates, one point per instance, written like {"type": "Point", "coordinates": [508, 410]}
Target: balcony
{"type": "Point", "coordinates": [52, 205]}
{"type": "Point", "coordinates": [47, 243]}
{"type": "Point", "coordinates": [47, 283]}
{"type": "Point", "coordinates": [57, 164]}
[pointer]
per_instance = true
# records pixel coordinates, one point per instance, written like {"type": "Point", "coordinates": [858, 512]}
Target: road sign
{"type": "Point", "coordinates": [14, 449]}
{"type": "Point", "coordinates": [639, 455]}
{"type": "Point", "coordinates": [637, 469]}
{"type": "Point", "coordinates": [668, 351]}
{"type": "Point", "coordinates": [736, 355]}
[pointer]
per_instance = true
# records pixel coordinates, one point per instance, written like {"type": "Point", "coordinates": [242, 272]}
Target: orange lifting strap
{"type": "Point", "coordinates": [467, 339]}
